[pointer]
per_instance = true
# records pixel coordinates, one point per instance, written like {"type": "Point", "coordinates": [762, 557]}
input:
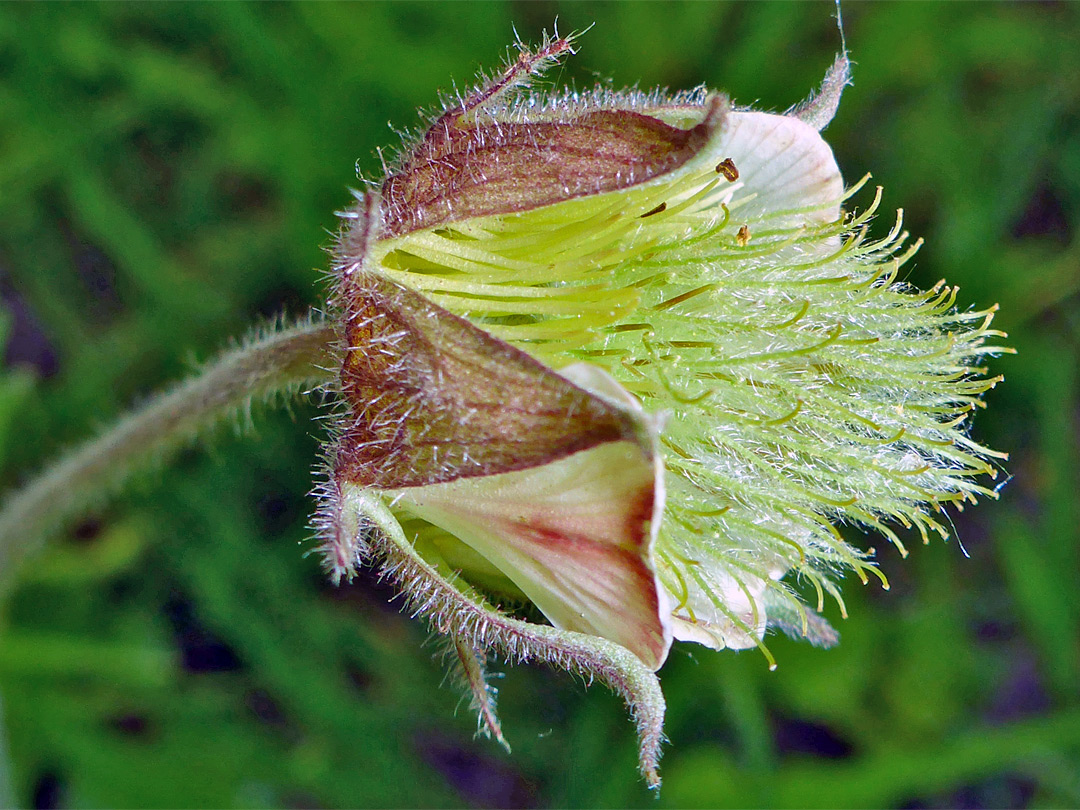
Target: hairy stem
{"type": "Point", "coordinates": [278, 362]}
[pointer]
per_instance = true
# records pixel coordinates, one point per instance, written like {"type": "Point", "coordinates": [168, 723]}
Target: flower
{"type": "Point", "coordinates": [626, 360]}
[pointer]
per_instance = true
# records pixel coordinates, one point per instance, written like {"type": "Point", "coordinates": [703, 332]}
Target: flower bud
{"type": "Point", "coordinates": [626, 360]}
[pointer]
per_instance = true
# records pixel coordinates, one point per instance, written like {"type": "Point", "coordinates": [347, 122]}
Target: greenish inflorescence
{"type": "Point", "coordinates": [631, 361]}
{"type": "Point", "coordinates": [804, 384]}
{"type": "Point", "coordinates": [613, 370]}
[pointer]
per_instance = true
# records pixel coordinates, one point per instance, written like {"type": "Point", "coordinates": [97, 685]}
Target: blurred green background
{"type": "Point", "coordinates": [168, 175]}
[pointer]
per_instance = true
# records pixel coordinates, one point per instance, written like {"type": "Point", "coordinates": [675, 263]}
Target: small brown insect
{"type": "Point", "coordinates": [743, 236]}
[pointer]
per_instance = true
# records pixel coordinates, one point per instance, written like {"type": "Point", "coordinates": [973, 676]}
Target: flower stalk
{"type": "Point", "coordinates": [278, 362]}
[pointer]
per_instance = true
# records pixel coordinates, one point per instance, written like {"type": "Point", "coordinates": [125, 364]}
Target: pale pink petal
{"type": "Point", "coordinates": [574, 535]}
{"type": "Point", "coordinates": [783, 163]}
{"type": "Point", "coordinates": [738, 626]}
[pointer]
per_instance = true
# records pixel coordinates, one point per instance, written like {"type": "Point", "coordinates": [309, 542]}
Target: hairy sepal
{"type": "Point", "coordinates": [818, 108]}
{"type": "Point", "coordinates": [559, 487]}
{"type": "Point", "coordinates": [454, 609]}
{"type": "Point", "coordinates": [484, 156]}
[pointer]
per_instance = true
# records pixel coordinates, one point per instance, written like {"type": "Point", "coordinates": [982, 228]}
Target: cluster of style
{"type": "Point", "coordinates": [625, 362]}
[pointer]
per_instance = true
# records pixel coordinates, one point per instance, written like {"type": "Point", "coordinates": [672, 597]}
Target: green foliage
{"type": "Point", "coordinates": [168, 175]}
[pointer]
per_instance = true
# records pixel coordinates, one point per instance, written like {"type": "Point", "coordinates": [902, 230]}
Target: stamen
{"type": "Point", "coordinates": [726, 167]}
